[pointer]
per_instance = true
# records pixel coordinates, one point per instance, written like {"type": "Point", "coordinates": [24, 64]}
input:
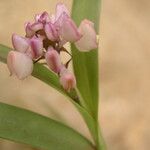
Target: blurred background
{"type": "Point", "coordinates": [124, 73]}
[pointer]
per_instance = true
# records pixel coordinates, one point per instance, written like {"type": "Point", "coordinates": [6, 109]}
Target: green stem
{"type": "Point", "coordinates": [100, 140]}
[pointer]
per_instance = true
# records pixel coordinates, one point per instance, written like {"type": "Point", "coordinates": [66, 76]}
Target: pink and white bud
{"type": "Point", "coordinates": [60, 9]}
{"type": "Point", "coordinates": [42, 17]}
{"type": "Point", "coordinates": [88, 40]}
{"type": "Point", "coordinates": [37, 26]}
{"type": "Point", "coordinates": [20, 44]}
{"type": "Point", "coordinates": [36, 45]}
{"type": "Point", "coordinates": [68, 29]}
{"type": "Point", "coordinates": [19, 64]}
{"type": "Point", "coordinates": [51, 32]}
{"type": "Point", "coordinates": [67, 79]}
{"type": "Point", "coordinates": [53, 60]}
{"type": "Point", "coordinates": [31, 29]}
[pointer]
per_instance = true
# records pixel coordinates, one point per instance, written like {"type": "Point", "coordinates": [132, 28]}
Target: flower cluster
{"type": "Point", "coordinates": [44, 39]}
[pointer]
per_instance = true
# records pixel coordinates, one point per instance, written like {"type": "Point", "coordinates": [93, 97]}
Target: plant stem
{"type": "Point", "coordinates": [100, 140]}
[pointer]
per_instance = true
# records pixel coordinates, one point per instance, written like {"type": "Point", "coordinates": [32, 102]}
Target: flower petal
{"type": "Point", "coordinates": [32, 28]}
{"type": "Point", "coordinates": [69, 30]}
{"type": "Point", "coordinates": [51, 32]}
{"type": "Point", "coordinates": [88, 40]}
{"type": "Point", "coordinates": [53, 60]}
{"type": "Point", "coordinates": [42, 17]}
{"type": "Point", "coordinates": [20, 43]}
{"type": "Point", "coordinates": [37, 26]}
{"type": "Point", "coordinates": [19, 64]}
{"type": "Point", "coordinates": [60, 9]}
{"type": "Point", "coordinates": [36, 47]}
{"type": "Point", "coordinates": [29, 31]}
{"type": "Point", "coordinates": [52, 18]}
{"type": "Point", "coordinates": [67, 79]}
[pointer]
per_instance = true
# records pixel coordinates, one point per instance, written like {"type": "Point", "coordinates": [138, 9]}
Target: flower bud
{"type": "Point", "coordinates": [20, 44]}
{"type": "Point", "coordinates": [88, 40]}
{"type": "Point", "coordinates": [19, 64]}
{"type": "Point", "coordinates": [51, 32]}
{"type": "Point", "coordinates": [36, 47]}
{"type": "Point", "coordinates": [42, 17]}
{"type": "Point", "coordinates": [31, 29]}
{"type": "Point", "coordinates": [67, 79]}
{"type": "Point", "coordinates": [53, 60]}
{"type": "Point", "coordinates": [28, 29]}
{"type": "Point", "coordinates": [68, 29]}
{"type": "Point", "coordinates": [37, 26]}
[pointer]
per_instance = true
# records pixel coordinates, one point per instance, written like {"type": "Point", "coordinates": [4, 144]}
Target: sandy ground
{"type": "Point", "coordinates": [124, 73]}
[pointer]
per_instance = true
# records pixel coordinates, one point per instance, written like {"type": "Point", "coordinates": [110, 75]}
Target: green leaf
{"type": "Point", "coordinates": [51, 79]}
{"type": "Point", "coordinates": [85, 64]}
{"type": "Point", "coordinates": [27, 127]}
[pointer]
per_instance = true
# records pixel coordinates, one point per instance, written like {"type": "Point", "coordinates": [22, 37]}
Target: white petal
{"type": "Point", "coordinates": [60, 9]}
{"type": "Point", "coordinates": [20, 43]}
{"type": "Point", "coordinates": [88, 40]}
{"type": "Point", "coordinates": [19, 64]}
{"type": "Point", "coordinates": [68, 30]}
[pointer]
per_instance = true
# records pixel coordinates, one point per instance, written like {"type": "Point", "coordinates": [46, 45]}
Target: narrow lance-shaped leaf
{"type": "Point", "coordinates": [24, 126]}
{"type": "Point", "coordinates": [48, 77]}
{"type": "Point", "coordinates": [85, 64]}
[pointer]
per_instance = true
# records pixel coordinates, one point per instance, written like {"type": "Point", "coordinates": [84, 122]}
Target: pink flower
{"type": "Point", "coordinates": [51, 32]}
{"type": "Point", "coordinates": [32, 47]}
{"type": "Point", "coordinates": [88, 40]}
{"type": "Point", "coordinates": [19, 64]}
{"type": "Point", "coordinates": [42, 17]}
{"type": "Point", "coordinates": [62, 27]}
{"type": "Point", "coordinates": [53, 60]}
{"type": "Point", "coordinates": [36, 45]}
{"type": "Point", "coordinates": [20, 44]}
{"type": "Point", "coordinates": [67, 79]}
{"type": "Point", "coordinates": [68, 29]}
{"type": "Point", "coordinates": [31, 29]}
{"type": "Point", "coordinates": [60, 9]}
